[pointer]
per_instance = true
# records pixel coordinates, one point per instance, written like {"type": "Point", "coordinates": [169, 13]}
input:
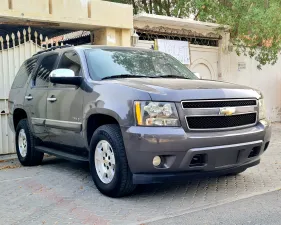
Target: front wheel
{"type": "Point", "coordinates": [108, 162]}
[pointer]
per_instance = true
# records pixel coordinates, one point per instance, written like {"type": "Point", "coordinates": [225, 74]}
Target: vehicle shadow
{"type": "Point", "coordinates": [193, 185]}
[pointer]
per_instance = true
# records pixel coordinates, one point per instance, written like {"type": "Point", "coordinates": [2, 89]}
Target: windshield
{"type": "Point", "coordinates": [104, 63]}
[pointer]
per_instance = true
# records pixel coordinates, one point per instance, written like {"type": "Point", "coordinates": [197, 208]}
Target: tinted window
{"type": "Point", "coordinates": [111, 62]}
{"type": "Point", "coordinates": [44, 70]}
{"type": "Point", "coordinates": [24, 72]}
{"type": "Point", "coordinates": [70, 60]}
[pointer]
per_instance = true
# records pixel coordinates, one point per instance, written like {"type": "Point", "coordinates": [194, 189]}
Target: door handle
{"type": "Point", "coordinates": [52, 99]}
{"type": "Point", "coordinates": [28, 97]}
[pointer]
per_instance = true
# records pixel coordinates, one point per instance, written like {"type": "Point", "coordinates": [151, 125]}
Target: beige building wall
{"type": "Point", "coordinates": [112, 22]}
{"type": "Point", "coordinates": [4, 4]}
{"type": "Point", "coordinates": [243, 70]}
{"type": "Point", "coordinates": [113, 37]}
{"type": "Point", "coordinates": [204, 59]}
{"type": "Point", "coordinates": [30, 7]}
{"type": "Point", "coordinates": [76, 14]}
{"type": "Point", "coordinates": [114, 14]}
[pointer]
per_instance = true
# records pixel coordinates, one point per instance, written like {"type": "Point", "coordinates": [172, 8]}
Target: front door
{"type": "Point", "coordinates": [65, 108]}
{"type": "Point", "coordinates": [37, 92]}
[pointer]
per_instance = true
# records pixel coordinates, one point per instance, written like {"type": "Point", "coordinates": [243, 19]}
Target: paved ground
{"type": "Point", "coordinates": [258, 210]}
{"type": "Point", "coordinates": [60, 192]}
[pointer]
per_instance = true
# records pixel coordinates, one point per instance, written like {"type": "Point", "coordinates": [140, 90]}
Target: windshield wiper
{"type": "Point", "coordinates": [123, 76]}
{"type": "Point", "coordinates": [138, 76]}
{"type": "Point", "coordinates": [172, 76]}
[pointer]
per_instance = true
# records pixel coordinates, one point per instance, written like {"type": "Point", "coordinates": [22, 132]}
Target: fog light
{"type": "Point", "coordinates": [156, 161]}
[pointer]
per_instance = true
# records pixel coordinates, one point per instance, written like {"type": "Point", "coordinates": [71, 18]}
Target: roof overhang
{"type": "Point", "coordinates": [177, 22]}
{"type": "Point", "coordinates": [60, 14]}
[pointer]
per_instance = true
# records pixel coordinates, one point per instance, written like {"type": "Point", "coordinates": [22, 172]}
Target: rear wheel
{"type": "Point", "coordinates": [108, 161]}
{"type": "Point", "coordinates": [25, 143]}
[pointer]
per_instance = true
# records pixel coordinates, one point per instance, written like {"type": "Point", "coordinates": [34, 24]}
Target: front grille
{"type": "Point", "coordinates": [217, 122]}
{"type": "Point", "coordinates": [217, 104]}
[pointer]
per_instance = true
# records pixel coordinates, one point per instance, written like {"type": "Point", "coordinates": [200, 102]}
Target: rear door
{"type": "Point", "coordinates": [37, 92]}
{"type": "Point", "coordinates": [19, 87]}
{"type": "Point", "coordinates": [65, 107]}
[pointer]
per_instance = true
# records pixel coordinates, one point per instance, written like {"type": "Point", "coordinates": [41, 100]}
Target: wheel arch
{"type": "Point", "coordinates": [97, 119]}
{"type": "Point", "coordinates": [18, 115]}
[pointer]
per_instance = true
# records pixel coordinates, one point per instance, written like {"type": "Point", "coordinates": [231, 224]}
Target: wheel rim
{"type": "Point", "coordinates": [105, 162]}
{"type": "Point", "coordinates": [22, 143]}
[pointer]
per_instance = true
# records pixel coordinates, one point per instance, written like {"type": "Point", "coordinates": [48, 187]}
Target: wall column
{"type": "Point", "coordinates": [112, 37]}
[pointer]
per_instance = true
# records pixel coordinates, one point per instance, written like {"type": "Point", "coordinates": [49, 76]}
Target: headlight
{"type": "Point", "coordinates": [262, 114]}
{"type": "Point", "coordinates": [156, 114]}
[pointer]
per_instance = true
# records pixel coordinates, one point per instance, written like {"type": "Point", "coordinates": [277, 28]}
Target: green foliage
{"type": "Point", "coordinates": [255, 25]}
{"type": "Point", "coordinates": [175, 8]}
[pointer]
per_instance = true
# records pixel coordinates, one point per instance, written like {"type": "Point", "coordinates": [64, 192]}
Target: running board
{"type": "Point", "coordinates": [60, 154]}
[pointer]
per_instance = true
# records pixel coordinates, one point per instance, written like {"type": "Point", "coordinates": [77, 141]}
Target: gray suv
{"type": "Point", "coordinates": [137, 116]}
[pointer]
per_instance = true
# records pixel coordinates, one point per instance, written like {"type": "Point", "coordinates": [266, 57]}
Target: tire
{"type": "Point", "coordinates": [27, 155]}
{"type": "Point", "coordinates": [120, 183]}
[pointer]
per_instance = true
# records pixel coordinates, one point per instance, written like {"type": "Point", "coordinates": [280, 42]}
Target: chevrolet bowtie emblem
{"type": "Point", "coordinates": [227, 111]}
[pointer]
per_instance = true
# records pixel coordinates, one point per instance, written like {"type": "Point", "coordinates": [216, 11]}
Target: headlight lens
{"type": "Point", "coordinates": [156, 114]}
{"type": "Point", "coordinates": [262, 114]}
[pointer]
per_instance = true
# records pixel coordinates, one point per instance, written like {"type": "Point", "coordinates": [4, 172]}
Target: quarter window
{"type": "Point", "coordinates": [24, 72]}
{"type": "Point", "coordinates": [44, 70]}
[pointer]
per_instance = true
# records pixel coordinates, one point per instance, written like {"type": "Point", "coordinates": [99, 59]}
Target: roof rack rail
{"type": "Point", "coordinates": [52, 49]}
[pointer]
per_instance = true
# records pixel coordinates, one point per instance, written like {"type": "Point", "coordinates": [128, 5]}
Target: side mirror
{"type": "Point", "coordinates": [65, 76]}
{"type": "Point", "coordinates": [198, 75]}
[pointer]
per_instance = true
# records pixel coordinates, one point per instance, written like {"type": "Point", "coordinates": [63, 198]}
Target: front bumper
{"type": "Point", "coordinates": [223, 151]}
{"type": "Point", "coordinates": [146, 178]}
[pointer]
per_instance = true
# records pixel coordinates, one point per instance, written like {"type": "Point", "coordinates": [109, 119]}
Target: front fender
{"type": "Point", "coordinates": [121, 115]}
{"type": "Point", "coordinates": [113, 100]}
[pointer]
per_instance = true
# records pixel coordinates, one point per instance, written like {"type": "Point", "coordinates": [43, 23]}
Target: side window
{"type": "Point", "coordinates": [44, 70]}
{"type": "Point", "coordinates": [24, 72]}
{"type": "Point", "coordinates": [70, 60]}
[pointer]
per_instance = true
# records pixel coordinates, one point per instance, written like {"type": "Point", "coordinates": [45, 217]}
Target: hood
{"type": "Point", "coordinates": [176, 90]}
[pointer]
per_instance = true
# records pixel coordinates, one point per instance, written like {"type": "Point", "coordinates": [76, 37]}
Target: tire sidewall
{"type": "Point", "coordinates": [114, 184]}
{"type": "Point", "coordinates": [23, 125]}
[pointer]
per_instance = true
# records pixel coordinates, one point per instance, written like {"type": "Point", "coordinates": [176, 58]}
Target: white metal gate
{"type": "Point", "coordinates": [11, 58]}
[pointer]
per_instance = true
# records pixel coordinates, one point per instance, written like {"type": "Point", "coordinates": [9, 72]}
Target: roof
{"type": "Point", "coordinates": [76, 34]}
{"type": "Point", "coordinates": [61, 35]}
{"type": "Point", "coordinates": [179, 22]}
{"type": "Point", "coordinates": [71, 36]}
{"type": "Point", "coordinates": [156, 19]}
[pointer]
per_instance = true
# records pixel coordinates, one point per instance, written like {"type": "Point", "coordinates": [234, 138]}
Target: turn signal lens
{"type": "Point", "coordinates": [138, 113]}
